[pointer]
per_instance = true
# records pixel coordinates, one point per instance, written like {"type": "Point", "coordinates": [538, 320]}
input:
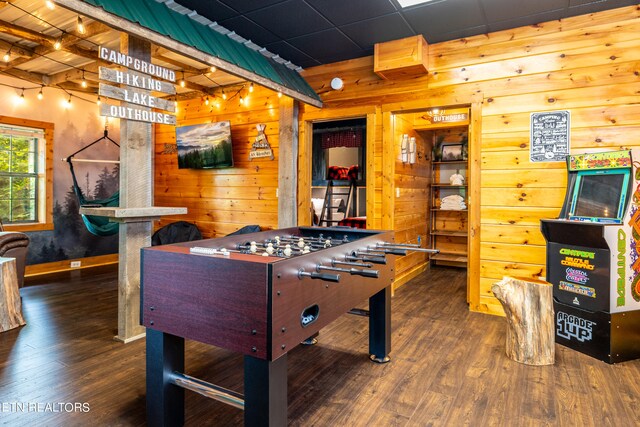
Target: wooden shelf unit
{"type": "Point", "coordinates": [448, 228]}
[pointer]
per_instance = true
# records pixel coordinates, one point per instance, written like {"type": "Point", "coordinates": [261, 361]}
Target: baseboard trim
{"type": "Point", "coordinates": [410, 274]}
{"type": "Point", "coordinates": [63, 266]}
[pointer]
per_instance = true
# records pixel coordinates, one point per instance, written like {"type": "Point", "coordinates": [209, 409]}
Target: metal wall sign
{"type": "Point", "coordinates": [135, 97]}
{"type": "Point", "coordinates": [139, 65]}
{"type": "Point", "coordinates": [550, 136]}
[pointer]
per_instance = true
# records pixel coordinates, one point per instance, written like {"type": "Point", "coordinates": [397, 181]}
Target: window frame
{"type": "Point", "coordinates": [44, 195]}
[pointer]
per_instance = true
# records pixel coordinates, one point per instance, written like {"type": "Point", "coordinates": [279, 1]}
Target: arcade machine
{"type": "Point", "coordinates": [592, 257]}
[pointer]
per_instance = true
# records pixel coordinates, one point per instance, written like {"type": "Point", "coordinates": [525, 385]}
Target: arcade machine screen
{"type": "Point", "coordinates": [600, 196]}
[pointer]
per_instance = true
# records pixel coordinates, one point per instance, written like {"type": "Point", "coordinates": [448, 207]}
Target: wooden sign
{"type": "Point", "coordinates": [139, 65]}
{"type": "Point", "coordinates": [135, 97]}
{"type": "Point", "coordinates": [261, 147]}
{"type": "Point", "coordinates": [549, 138]}
{"type": "Point", "coordinates": [137, 114]}
{"type": "Point", "coordinates": [134, 79]}
{"type": "Point", "coordinates": [437, 117]}
{"type": "Point", "coordinates": [449, 118]}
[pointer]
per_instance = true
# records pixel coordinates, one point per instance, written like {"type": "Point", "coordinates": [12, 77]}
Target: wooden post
{"type": "Point", "coordinates": [528, 305]}
{"type": "Point", "coordinates": [10, 305]}
{"type": "Point", "coordinates": [288, 163]}
{"type": "Point", "coordinates": [136, 191]}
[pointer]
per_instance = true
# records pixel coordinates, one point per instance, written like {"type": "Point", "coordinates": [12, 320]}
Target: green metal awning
{"type": "Point", "coordinates": [198, 39]}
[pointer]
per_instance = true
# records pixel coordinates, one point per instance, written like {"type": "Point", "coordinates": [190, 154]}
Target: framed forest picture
{"type": "Point", "coordinates": [205, 146]}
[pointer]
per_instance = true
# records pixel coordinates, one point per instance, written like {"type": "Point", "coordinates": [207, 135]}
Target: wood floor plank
{"type": "Point", "coordinates": [448, 367]}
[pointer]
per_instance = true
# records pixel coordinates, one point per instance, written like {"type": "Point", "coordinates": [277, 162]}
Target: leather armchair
{"type": "Point", "coordinates": [14, 245]}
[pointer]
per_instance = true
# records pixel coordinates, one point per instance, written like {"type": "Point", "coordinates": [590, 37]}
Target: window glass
{"type": "Point", "coordinates": [19, 150]}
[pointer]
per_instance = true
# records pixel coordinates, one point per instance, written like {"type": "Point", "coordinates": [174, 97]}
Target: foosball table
{"type": "Point", "coordinates": [260, 294]}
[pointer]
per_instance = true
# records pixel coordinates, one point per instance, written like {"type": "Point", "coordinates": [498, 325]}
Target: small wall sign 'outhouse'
{"type": "Point", "coordinates": [260, 147]}
{"type": "Point", "coordinates": [549, 139]}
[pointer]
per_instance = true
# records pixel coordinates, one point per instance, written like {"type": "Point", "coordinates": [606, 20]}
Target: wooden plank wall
{"type": "Point", "coordinates": [411, 212]}
{"type": "Point", "coordinates": [221, 201]}
{"type": "Point", "coordinates": [588, 64]}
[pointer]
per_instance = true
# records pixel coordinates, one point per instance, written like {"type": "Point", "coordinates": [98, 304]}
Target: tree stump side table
{"type": "Point", "coordinates": [10, 304]}
{"type": "Point", "coordinates": [528, 305]}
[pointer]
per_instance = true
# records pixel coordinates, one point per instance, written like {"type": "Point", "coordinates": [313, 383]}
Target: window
{"type": "Point", "coordinates": [25, 191]}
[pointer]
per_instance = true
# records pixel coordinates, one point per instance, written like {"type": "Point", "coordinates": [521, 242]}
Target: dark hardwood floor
{"type": "Point", "coordinates": [448, 368]}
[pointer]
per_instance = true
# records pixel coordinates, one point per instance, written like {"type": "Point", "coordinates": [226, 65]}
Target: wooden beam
{"type": "Point", "coordinates": [373, 119]}
{"type": "Point", "coordinates": [6, 3]}
{"type": "Point", "coordinates": [36, 78]}
{"type": "Point", "coordinates": [25, 33]}
{"type": "Point", "coordinates": [136, 190]}
{"type": "Point", "coordinates": [288, 163]}
{"type": "Point", "coordinates": [473, 202]}
{"type": "Point", "coordinates": [47, 42]}
{"type": "Point", "coordinates": [388, 172]}
{"type": "Point", "coordinates": [137, 30]}
{"type": "Point", "coordinates": [75, 74]}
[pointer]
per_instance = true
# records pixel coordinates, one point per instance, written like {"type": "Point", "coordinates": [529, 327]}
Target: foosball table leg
{"type": "Point", "coordinates": [265, 392]}
{"type": "Point", "coordinates": [380, 326]}
{"type": "Point", "coordinates": [165, 400]}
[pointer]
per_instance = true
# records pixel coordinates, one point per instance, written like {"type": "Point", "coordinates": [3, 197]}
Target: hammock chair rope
{"type": "Point", "coordinates": [96, 225]}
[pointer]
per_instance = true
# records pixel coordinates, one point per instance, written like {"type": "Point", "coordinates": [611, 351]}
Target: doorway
{"type": "Point", "coordinates": [338, 173]}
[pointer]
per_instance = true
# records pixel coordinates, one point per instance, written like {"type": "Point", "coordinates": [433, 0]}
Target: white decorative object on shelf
{"type": "Point", "coordinates": [453, 203]}
{"type": "Point", "coordinates": [456, 179]}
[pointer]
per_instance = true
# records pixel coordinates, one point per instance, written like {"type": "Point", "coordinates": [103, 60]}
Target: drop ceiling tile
{"type": "Point", "coordinates": [577, 7]}
{"type": "Point", "coordinates": [344, 56]}
{"type": "Point", "coordinates": [527, 20]}
{"type": "Point", "coordinates": [243, 6]}
{"type": "Point", "coordinates": [378, 30]}
{"type": "Point", "coordinates": [249, 30]}
{"type": "Point", "coordinates": [446, 16]}
{"type": "Point", "coordinates": [290, 19]}
{"type": "Point", "coordinates": [503, 10]}
{"type": "Point", "coordinates": [457, 34]}
{"type": "Point", "coordinates": [341, 12]}
{"type": "Point", "coordinates": [290, 53]}
{"type": "Point", "coordinates": [214, 10]}
{"type": "Point", "coordinates": [326, 44]}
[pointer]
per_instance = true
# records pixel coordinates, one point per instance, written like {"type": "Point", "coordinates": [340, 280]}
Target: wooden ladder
{"type": "Point", "coordinates": [328, 208]}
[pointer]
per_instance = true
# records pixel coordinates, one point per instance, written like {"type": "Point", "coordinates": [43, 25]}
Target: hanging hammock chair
{"type": "Point", "coordinates": [96, 225]}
